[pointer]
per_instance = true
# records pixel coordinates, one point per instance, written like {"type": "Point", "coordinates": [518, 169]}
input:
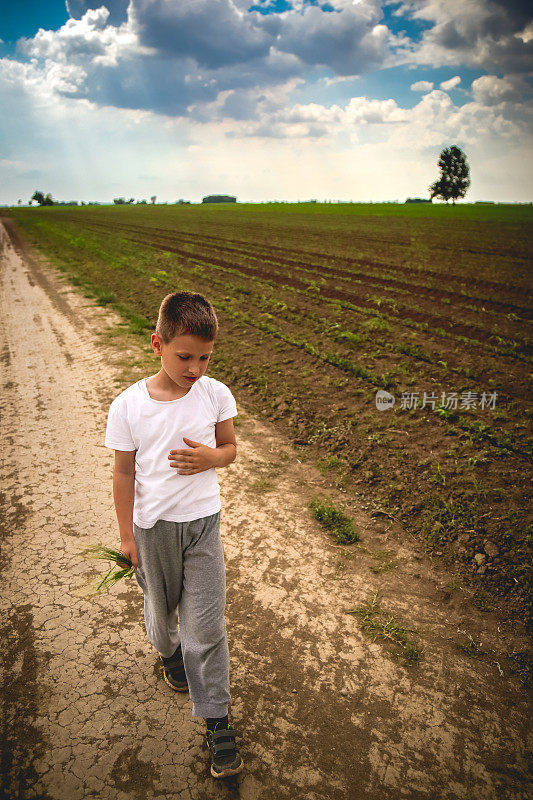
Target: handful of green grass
{"type": "Point", "coordinates": [110, 554]}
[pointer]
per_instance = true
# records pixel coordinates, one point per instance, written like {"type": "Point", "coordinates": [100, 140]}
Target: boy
{"type": "Point", "coordinates": [169, 432]}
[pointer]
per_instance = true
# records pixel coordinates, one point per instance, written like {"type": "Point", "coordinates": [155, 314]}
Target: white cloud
{"type": "Point", "coordinates": [118, 9]}
{"type": "Point", "coordinates": [527, 34]}
{"type": "Point", "coordinates": [108, 99]}
{"type": "Point", "coordinates": [422, 86]}
{"type": "Point", "coordinates": [362, 110]}
{"type": "Point", "coordinates": [169, 56]}
{"type": "Point", "coordinates": [89, 41]}
{"type": "Point", "coordinates": [369, 149]}
{"type": "Point", "coordinates": [489, 90]}
{"type": "Point", "coordinates": [42, 83]}
{"type": "Point", "coordinates": [450, 84]}
{"type": "Point", "coordinates": [435, 122]}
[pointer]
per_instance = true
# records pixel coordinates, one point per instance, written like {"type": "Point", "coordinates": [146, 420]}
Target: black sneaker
{"type": "Point", "coordinates": [174, 671]}
{"type": "Point", "coordinates": [225, 757]}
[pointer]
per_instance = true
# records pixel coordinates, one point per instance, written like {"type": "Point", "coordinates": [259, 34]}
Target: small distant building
{"type": "Point", "coordinates": [219, 198]}
{"type": "Point", "coordinates": [418, 200]}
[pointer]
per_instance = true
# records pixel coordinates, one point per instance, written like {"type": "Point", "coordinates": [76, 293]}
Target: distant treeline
{"type": "Point", "coordinates": [121, 201]}
{"type": "Point", "coordinates": [48, 200]}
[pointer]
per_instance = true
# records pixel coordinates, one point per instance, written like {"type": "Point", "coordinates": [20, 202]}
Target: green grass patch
{"type": "Point", "coordinates": [454, 584]}
{"type": "Point", "coordinates": [385, 561]}
{"type": "Point", "coordinates": [104, 297]}
{"type": "Point", "coordinates": [378, 623]}
{"type": "Point", "coordinates": [471, 648]}
{"type": "Point", "coordinates": [137, 324]}
{"type": "Point", "coordinates": [262, 485]}
{"type": "Point", "coordinates": [443, 519]}
{"type": "Point", "coordinates": [334, 521]}
{"type": "Point", "coordinates": [329, 464]}
{"type": "Point", "coordinates": [377, 323]}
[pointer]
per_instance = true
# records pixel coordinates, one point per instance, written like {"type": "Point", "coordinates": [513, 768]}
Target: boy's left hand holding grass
{"type": "Point", "coordinates": [197, 458]}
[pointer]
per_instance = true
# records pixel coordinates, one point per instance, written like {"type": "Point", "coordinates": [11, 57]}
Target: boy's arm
{"type": "Point", "coordinates": [226, 447]}
{"type": "Point", "coordinates": [199, 457]}
{"type": "Point", "coordinates": [124, 492]}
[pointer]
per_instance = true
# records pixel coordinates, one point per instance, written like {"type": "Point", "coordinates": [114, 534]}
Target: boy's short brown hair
{"type": "Point", "coordinates": [186, 313]}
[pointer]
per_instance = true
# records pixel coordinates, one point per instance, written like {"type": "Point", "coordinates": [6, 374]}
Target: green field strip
{"type": "Point", "coordinates": [482, 432]}
{"type": "Point", "coordinates": [334, 359]}
{"type": "Point", "coordinates": [511, 344]}
{"type": "Point", "coordinates": [402, 288]}
{"type": "Point", "coordinates": [355, 341]}
{"type": "Point", "coordinates": [508, 351]}
{"type": "Point", "coordinates": [409, 350]}
{"type": "Point", "coordinates": [331, 328]}
{"type": "Point", "coordinates": [336, 418]}
{"type": "Point", "coordinates": [217, 241]}
{"type": "Point", "coordinates": [79, 243]}
{"type": "Point", "coordinates": [479, 430]}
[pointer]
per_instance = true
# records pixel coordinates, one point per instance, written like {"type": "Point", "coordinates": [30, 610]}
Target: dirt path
{"type": "Point", "coordinates": [325, 712]}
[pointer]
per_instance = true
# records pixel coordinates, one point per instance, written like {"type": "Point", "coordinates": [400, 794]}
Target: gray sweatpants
{"type": "Point", "coordinates": [183, 577]}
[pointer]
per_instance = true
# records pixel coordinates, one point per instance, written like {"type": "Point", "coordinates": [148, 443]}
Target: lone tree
{"type": "Point", "coordinates": [42, 200]}
{"type": "Point", "coordinates": [454, 175]}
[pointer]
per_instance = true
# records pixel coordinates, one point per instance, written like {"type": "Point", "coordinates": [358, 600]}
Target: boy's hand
{"type": "Point", "coordinates": [191, 461]}
{"type": "Point", "coordinates": [129, 548]}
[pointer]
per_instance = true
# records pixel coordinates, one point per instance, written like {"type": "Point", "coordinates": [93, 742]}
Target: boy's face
{"type": "Point", "coordinates": [184, 358]}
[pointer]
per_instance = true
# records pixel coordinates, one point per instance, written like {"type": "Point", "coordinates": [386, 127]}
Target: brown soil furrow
{"type": "Point", "coordinates": [450, 326]}
{"type": "Point", "coordinates": [411, 286]}
{"type": "Point", "coordinates": [499, 287]}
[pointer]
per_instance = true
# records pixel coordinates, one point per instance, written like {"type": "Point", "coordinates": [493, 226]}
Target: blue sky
{"type": "Point", "coordinates": [25, 17]}
{"type": "Point", "coordinates": [329, 99]}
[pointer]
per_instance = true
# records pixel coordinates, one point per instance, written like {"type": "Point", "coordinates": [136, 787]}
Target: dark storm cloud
{"type": "Point", "coordinates": [343, 41]}
{"type": "Point", "coordinates": [217, 34]}
{"type": "Point", "coordinates": [212, 31]}
{"type": "Point", "coordinates": [518, 11]}
{"type": "Point", "coordinates": [493, 45]}
{"type": "Point", "coordinates": [154, 84]}
{"type": "Point", "coordinates": [177, 87]}
{"type": "Point", "coordinates": [484, 33]}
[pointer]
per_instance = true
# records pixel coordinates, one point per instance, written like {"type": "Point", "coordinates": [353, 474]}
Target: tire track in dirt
{"type": "Point", "coordinates": [325, 713]}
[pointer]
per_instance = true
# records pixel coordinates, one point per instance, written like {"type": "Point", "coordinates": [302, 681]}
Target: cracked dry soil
{"type": "Point", "coordinates": [325, 712]}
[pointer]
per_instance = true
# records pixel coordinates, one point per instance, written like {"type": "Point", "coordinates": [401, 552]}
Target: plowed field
{"type": "Point", "coordinates": [320, 306]}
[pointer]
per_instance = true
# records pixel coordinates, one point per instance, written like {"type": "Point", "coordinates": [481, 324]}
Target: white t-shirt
{"type": "Point", "coordinates": [155, 427]}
